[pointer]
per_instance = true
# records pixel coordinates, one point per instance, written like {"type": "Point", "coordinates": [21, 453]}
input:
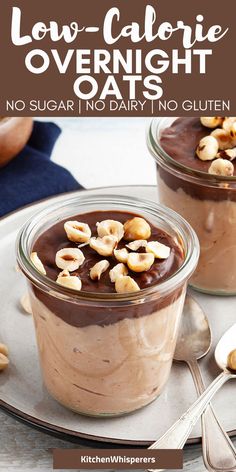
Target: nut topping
{"type": "Point", "coordinates": [119, 270]}
{"type": "Point", "coordinates": [226, 139]}
{"type": "Point", "coordinates": [137, 228]}
{"type": "Point", "coordinates": [69, 281]}
{"type": "Point", "coordinates": [126, 285]}
{"type": "Point", "coordinates": [37, 263]}
{"type": "Point", "coordinates": [121, 255]}
{"type": "Point", "coordinates": [77, 232]}
{"type": "Point", "coordinates": [207, 148]}
{"type": "Point", "coordinates": [97, 270]}
{"type": "Point", "coordinates": [222, 137]}
{"type": "Point", "coordinates": [229, 154]}
{"type": "Point", "coordinates": [228, 123]}
{"type": "Point", "coordinates": [83, 245]}
{"type": "Point", "coordinates": [110, 228]}
{"type": "Point", "coordinates": [231, 364]}
{"type": "Point", "coordinates": [106, 251]}
{"type": "Point", "coordinates": [25, 303]}
{"type": "Point", "coordinates": [221, 167]}
{"type": "Point", "coordinates": [136, 245]}
{"type": "Point", "coordinates": [232, 132]}
{"type": "Point", "coordinates": [140, 262]}
{"type": "Point", "coordinates": [160, 251]}
{"type": "Point", "coordinates": [4, 361]}
{"type": "Point", "coordinates": [211, 121]}
{"type": "Point", "coordinates": [69, 259]}
{"type": "Point", "coordinates": [104, 246]}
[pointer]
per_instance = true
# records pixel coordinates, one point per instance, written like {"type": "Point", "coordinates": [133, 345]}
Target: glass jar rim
{"type": "Point", "coordinates": [163, 158]}
{"type": "Point", "coordinates": [48, 285]}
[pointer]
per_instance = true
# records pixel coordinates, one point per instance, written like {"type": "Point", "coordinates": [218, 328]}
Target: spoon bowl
{"type": "Point", "coordinates": [195, 338]}
{"type": "Point", "coordinates": [224, 347]}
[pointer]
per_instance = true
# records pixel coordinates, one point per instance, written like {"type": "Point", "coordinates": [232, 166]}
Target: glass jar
{"type": "Point", "coordinates": [106, 353]}
{"type": "Point", "coordinates": [208, 203]}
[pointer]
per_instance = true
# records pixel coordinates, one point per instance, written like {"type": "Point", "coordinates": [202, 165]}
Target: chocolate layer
{"type": "Point", "coordinates": [55, 239]}
{"type": "Point", "coordinates": [180, 141]}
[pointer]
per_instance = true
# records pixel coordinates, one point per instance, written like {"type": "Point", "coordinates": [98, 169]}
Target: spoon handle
{"type": "Point", "coordinates": [177, 435]}
{"type": "Point", "coordinates": [219, 453]}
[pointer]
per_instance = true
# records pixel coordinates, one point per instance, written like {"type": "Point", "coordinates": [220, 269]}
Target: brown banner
{"type": "Point", "coordinates": [117, 58]}
{"type": "Point", "coordinates": [117, 459]}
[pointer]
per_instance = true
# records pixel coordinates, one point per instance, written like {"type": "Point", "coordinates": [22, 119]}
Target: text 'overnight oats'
{"type": "Point", "coordinates": [106, 340]}
{"type": "Point", "coordinates": [196, 171]}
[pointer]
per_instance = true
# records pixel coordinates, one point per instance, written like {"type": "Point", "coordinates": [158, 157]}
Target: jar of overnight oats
{"type": "Point", "coordinates": [106, 337]}
{"type": "Point", "coordinates": [205, 200]}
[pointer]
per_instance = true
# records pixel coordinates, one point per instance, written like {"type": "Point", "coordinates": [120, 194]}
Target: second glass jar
{"type": "Point", "coordinates": [208, 203]}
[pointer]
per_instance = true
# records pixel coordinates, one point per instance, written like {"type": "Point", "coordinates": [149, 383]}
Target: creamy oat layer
{"type": "Point", "coordinates": [214, 223]}
{"type": "Point", "coordinates": [113, 369]}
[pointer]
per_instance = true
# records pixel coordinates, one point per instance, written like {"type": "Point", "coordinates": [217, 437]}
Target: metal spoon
{"type": "Point", "coordinates": [177, 435]}
{"type": "Point", "coordinates": [194, 342]}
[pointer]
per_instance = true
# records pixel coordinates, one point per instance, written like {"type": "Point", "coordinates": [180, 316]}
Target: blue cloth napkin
{"type": "Point", "coordinates": [31, 176]}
